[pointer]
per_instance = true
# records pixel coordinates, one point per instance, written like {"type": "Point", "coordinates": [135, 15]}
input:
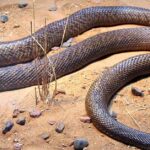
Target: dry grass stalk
{"type": "Point", "coordinates": [133, 119]}
{"type": "Point", "coordinates": [41, 93]}
{"type": "Point", "coordinates": [43, 89]}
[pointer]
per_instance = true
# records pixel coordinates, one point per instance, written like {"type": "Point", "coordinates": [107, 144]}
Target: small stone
{"type": "Point", "coordinates": [53, 6]}
{"type": "Point", "coordinates": [18, 146]}
{"type": "Point", "coordinates": [35, 113]}
{"type": "Point", "coordinates": [83, 87]}
{"type": "Point", "coordinates": [21, 121]}
{"type": "Point", "coordinates": [45, 136]}
{"type": "Point", "coordinates": [6, 12]}
{"type": "Point", "coordinates": [16, 112]}
{"type": "Point", "coordinates": [137, 92]}
{"type": "Point", "coordinates": [67, 43]}
{"type": "Point", "coordinates": [21, 110]}
{"type": "Point", "coordinates": [60, 92]}
{"type": "Point", "coordinates": [51, 122]}
{"type": "Point", "coordinates": [80, 143]}
{"type": "Point", "coordinates": [3, 18]}
{"type": "Point", "coordinates": [8, 126]}
{"type": "Point", "coordinates": [16, 26]}
{"type": "Point", "coordinates": [16, 140]}
{"type": "Point", "coordinates": [85, 119]}
{"type": "Point", "coordinates": [64, 145]}
{"type": "Point", "coordinates": [22, 4]}
{"type": "Point", "coordinates": [59, 127]}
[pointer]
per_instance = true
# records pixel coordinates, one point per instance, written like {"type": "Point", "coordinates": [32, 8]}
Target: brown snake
{"type": "Point", "coordinates": [81, 54]}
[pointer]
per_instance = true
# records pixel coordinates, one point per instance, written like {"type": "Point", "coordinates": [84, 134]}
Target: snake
{"type": "Point", "coordinates": [22, 66]}
{"type": "Point", "coordinates": [25, 49]}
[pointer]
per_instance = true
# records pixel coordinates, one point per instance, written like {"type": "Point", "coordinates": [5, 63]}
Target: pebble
{"type": "Point", "coordinates": [137, 92]}
{"type": "Point", "coordinates": [8, 126]}
{"type": "Point", "coordinates": [45, 135]}
{"type": "Point", "coordinates": [16, 140]}
{"type": "Point", "coordinates": [18, 146]}
{"type": "Point", "coordinates": [22, 4]}
{"type": "Point", "coordinates": [64, 145]}
{"type": "Point", "coordinates": [51, 122]}
{"type": "Point", "coordinates": [59, 127]}
{"type": "Point", "coordinates": [22, 110]}
{"type": "Point", "coordinates": [53, 6]}
{"type": "Point", "coordinates": [16, 26]}
{"type": "Point", "coordinates": [35, 113]}
{"type": "Point", "coordinates": [16, 112]}
{"type": "Point", "coordinates": [83, 87]}
{"type": "Point", "coordinates": [85, 119]}
{"type": "Point", "coordinates": [67, 43]}
{"type": "Point", "coordinates": [3, 18]}
{"type": "Point", "coordinates": [21, 121]}
{"type": "Point", "coordinates": [80, 143]}
{"type": "Point", "coordinates": [60, 92]}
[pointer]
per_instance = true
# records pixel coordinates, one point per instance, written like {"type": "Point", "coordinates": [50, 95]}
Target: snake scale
{"type": "Point", "coordinates": [71, 59]}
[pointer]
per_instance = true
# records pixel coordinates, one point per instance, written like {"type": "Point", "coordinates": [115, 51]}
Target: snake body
{"type": "Point", "coordinates": [100, 95]}
{"type": "Point", "coordinates": [25, 49]}
{"type": "Point", "coordinates": [81, 54]}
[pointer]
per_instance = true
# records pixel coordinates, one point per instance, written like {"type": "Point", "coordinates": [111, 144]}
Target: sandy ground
{"type": "Point", "coordinates": [70, 106]}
